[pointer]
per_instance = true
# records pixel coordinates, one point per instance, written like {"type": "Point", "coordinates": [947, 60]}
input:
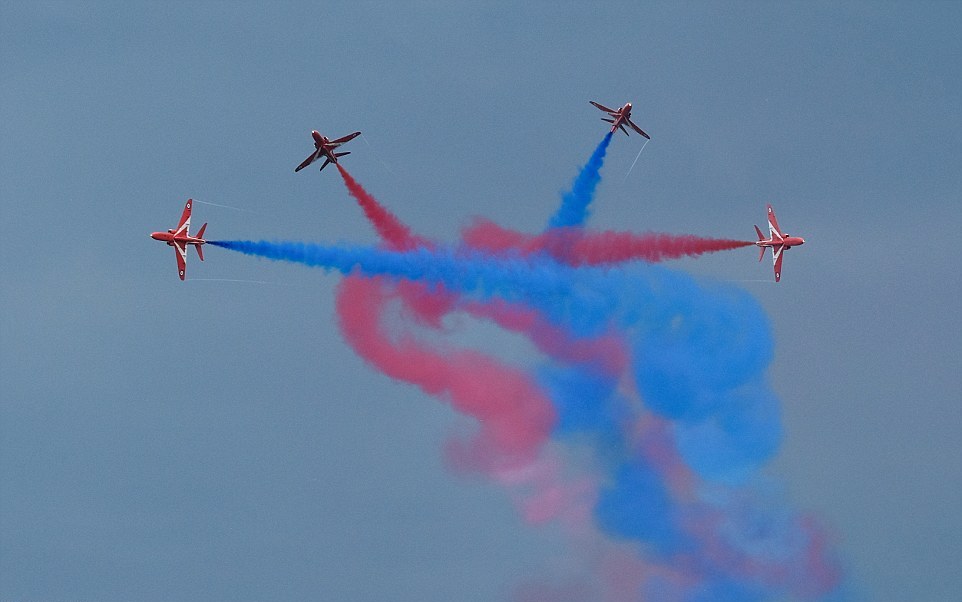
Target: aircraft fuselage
{"type": "Point", "coordinates": [170, 238]}
{"type": "Point", "coordinates": [787, 242]}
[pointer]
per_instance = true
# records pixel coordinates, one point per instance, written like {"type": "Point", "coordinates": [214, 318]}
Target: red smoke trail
{"type": "Point", "coordinates": [616, 247]}
{"type": "Point", "coordinates": [489, 236]}
{"type": "Point", "coordinates": [580, 247]}
{"type": "Point", "coordinates": [388, 226]}
{"type": "Point", "coordinates": [537, 485]}
{"type": "Point", "coordinates": [427, 305]}
{"type": "Point", "coordinates": [514, 415]}
{"type": "Point", "coordinates": [606, 353]}
{"type": "Point", "coordinates": [545, 491]}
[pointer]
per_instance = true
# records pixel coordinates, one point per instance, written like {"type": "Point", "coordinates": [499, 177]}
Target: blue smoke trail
{"type": "Point", "coordinates": [699, 356]}
{"type": "Point", "coordinates": [573, 211]}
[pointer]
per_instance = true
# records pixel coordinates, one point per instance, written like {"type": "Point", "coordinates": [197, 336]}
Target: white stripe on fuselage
{"type": "Point", "coordinates": [773, 231]}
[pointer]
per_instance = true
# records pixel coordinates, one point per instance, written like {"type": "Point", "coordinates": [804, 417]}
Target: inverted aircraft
{"type": "Point", "coordinates": [620, 117]}
{"type": "Point", "coordinates": [777, 240]}
{"type": "Point", "coordinates": [323, 147]}
{"type": "Point", "coordinates": [180, 238]}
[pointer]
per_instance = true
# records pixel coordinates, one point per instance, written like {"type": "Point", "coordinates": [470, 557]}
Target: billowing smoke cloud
{"type": "Point", "coordinates": [641, 426]}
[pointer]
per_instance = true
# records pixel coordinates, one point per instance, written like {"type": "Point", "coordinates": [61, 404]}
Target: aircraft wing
{"type": "Point", "coordinates": [637, 129]}
{"type": "Point", "coordinates": [603, 107]}
{"type": "Point", "coordinates": [306, 162]}
{"type": "Point", "coordinates": [777, 261]}
{"type": "Point", "coordinates": [180, 250]}
{"type": "Point", "coordinates": [183, 227]}
{"type": "Point", "coordinates": [773, 229]}
{"type": "Point", "coordinates": [344, 139]}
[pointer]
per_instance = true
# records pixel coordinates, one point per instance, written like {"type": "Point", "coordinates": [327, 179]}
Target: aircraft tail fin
{"type": "Point", "coordinates": [200, 233]}
{"type": "Point", "coordinates": [200, 252]}
{"type": "Point", "coordinates": [761, 254]}
{"type": "Point", "coordinates": [326, 161]}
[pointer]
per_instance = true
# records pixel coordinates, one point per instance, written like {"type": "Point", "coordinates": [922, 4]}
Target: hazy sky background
{"type": "Point", "coordinates": [214, 440]}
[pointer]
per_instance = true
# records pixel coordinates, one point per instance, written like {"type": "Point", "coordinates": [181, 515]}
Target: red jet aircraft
{"type": "Point", "coordinates": [180, 238]}
{"type": "Point", "coordinates": [619, 117]}
{"type": "Point", "coordinates": [777, 240]}
{"type": "Point", "coordinates": [325, 148]}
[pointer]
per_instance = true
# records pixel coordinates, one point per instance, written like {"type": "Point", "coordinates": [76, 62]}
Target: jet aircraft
{"type": "Point", "coordinates": [777, 240]}
{"type": "Point", "coordinates": [180, 238]}
{"type": "Point", "coordinates": [619, 117]}
{"type": "Point", "coordinates": [325, 148]}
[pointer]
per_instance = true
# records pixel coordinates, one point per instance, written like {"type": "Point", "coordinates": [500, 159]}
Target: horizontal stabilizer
{"type": "Point", "coordinates": [761, 254]}
{"type": "Point", "coordinates": [759, 232]}
{"type": "Point", "coordinates": [200, 252]}
{"type": "Point", "coordinates": [200, 233]}
{"type": "Point", "coordinates": [342, 154]}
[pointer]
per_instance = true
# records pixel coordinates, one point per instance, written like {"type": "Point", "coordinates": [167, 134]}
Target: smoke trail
{"type": "Point", "coordinates": [573, 211]}
{"type": "Point", "coordinates": [616, 247]}
{"type": "Point", "coordinates": [664, 377]}
{"type": "Point", "coordinates": [605, 353]}
{"type": "Point", "coordinates": [701, 355]}
{"type": "Point", "coordinates": [388, 227]}
{"type": "Point", "coordinates": [576, 246]}
{"type": "Point", "coordinates": [540, 495]}
{"type": "Point", "coordinates": [429, 305]}
{"type": "Point", "coordinates": [472, 273]}
{"type": "Point", "coordinates": [697, 361]}
{"type": "Point", "coordinates": [515, 417]}
{"type": "Point", "coordinates": [565, 240]}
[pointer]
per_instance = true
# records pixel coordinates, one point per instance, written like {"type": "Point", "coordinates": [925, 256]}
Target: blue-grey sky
{"type": "Point", "coordinates": [215, 440]}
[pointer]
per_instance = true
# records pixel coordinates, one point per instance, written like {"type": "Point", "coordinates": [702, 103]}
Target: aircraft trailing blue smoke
{"type": "Point", "coordinates": [573, 211]}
